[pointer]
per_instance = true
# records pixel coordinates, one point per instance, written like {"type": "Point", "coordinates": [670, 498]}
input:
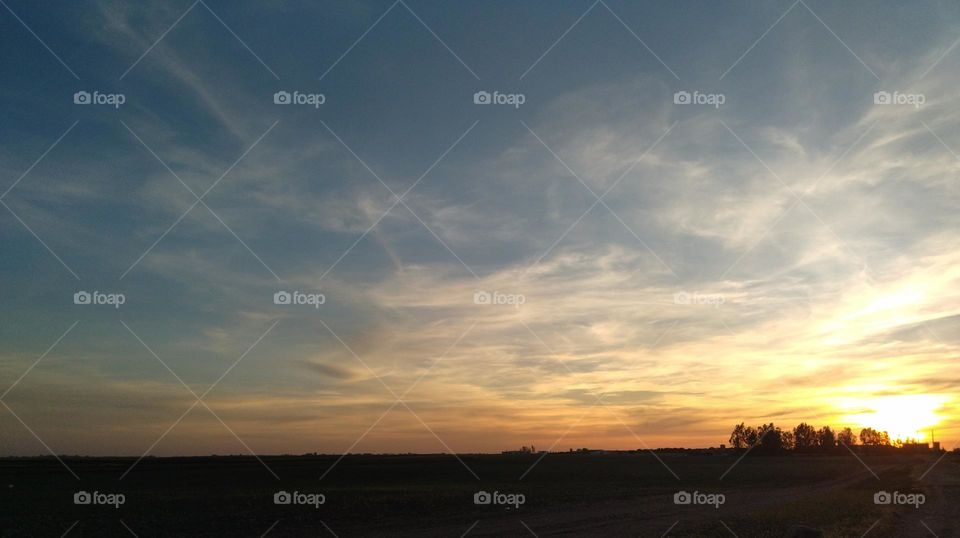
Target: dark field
{"type": "Point", "coordinates": [433, 495]}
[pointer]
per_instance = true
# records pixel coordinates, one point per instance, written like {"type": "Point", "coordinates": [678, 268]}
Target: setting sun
{"type": "Point", "coordinates": [903, 417]}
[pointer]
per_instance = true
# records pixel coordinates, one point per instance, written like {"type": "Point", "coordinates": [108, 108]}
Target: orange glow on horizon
{"type": "Point", "coordinates": [902, 417]}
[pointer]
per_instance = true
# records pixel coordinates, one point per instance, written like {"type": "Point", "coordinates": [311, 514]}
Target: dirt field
{"type": "Point", "coordinates": [434, 495]}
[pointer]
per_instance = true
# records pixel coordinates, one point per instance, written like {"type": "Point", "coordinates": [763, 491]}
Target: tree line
{"type": "Point", "coordinates": [803, 438]}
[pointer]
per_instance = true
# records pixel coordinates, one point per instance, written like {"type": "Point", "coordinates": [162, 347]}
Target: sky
{"type": "Point", "coordinates": [671, 218]}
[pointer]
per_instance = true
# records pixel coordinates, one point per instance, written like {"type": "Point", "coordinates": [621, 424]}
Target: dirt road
{"type": "Point", "coordinates": [940, 514]}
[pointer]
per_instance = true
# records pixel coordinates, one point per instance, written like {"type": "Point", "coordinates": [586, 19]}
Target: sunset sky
{"type": "Point", "coordinates": [790, 255]}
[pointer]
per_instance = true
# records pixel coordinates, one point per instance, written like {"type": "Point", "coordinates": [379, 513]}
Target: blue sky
{"type": "Point", "coordinates": [789, 255]}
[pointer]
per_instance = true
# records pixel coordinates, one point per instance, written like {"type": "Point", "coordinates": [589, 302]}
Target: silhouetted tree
{"type": "Point", "coordinates": [871, 437]}
{"type": "Point", "coordinates": [826, 439]}
{"type": "Point", "coordinates": [804, 437]}
{"type": "Point", "coordinates": [738, 438]}
{"type": "Point", "coordinates": [770, 438]}
{"type": "Point", "coordinates": [753, 436]}
{"type": "Point", "coordinates": [786, 439]}
{"type": "Point", "coordinates": [846, 437]}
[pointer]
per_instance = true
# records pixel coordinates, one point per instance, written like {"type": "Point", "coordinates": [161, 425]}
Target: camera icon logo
{"type": "Point", "coordinates": [81, 98]}
{"type": "Point", "coordinates": [81, 297]}
{"type": "Point", "coordinates": [481, 98]}
{"type": "Point", "coordinates": [82, 497]}
{"type": "Point", "coordinates": [681, 98]}
{"type": "Point", "coordinates": [882, 497]}
{"type": "Point", "coordinates": [882, 98]}
{"type": "Point", "coordinates": [281, 297]}
{"type": "Point", "coordinates": [681, 298]}
{"type": "Point", "coordinates": [482, 497]}
{"type": "Point", "coordinates": [682, 497]}
{"type": "Point", "coordinates": [281, 98]}
{"type": "Point", "coordinates": [282, 497]}
{"type": "Point", "coordinates": [482, 297]}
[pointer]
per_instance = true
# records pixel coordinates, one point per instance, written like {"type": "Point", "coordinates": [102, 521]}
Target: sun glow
{"type": "Point", "coordinates": [903, 417]}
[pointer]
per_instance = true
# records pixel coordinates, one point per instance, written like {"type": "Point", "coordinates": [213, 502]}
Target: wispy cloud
{"type": "Point", "coordinates": [766, 260]}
